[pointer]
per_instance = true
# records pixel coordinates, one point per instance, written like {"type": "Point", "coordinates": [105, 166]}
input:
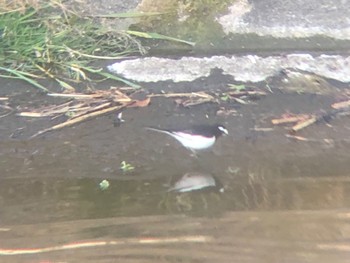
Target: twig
{"type": "Point", "coordinates": [290, 119]}
{"type": "Point", "coordinates": [49, 111]}
{"type": "Point", "coordinates": [191, 95]}
{"type": "Point", "coordinates": [303, 124]}
{"type": "Point", "coordinates": [194, 102]}
{"type": "Point", "coordinates": [75, 95]}
{"type": "Point", "coordinates": [246, 93]}
{"type": "Point", "coordinates": [10, 110]}
{"type": "Point", "coordinates": [262, 129]}
{"type": "Point", "coordinates": [79, 119]}
{"type": "Point", "coordinates": [299, 138]}
{"type": "Point", "coordinates": [314, 119]}
{"type": "Point", "coordinates": [239, 100]}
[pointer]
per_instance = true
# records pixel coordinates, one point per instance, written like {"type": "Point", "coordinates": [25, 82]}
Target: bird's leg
{"type": "Point", "coordinates": [194, 153]}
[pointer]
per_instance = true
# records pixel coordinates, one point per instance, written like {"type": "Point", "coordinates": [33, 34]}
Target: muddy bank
{"type": "Point", "coordinates": [258, 164]}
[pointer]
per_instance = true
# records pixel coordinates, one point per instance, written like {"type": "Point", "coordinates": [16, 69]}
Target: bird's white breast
{"type": "Point", "coordinates": [195, 142]}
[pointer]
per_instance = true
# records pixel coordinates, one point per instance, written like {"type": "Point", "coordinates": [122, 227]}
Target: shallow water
{"type": "Point", "coordinates": [284, 200]}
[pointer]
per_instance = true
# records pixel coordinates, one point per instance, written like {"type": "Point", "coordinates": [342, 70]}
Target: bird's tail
{"type": "Point", "coordinates": [158, 130]}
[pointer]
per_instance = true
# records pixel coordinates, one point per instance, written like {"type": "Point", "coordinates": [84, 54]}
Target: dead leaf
{"type": "Point", "coordinates": [340, 105]}
{"type": "Point", "coordinates": [140, 103]}
{"type": "Point", "coordinates": [178, 102]}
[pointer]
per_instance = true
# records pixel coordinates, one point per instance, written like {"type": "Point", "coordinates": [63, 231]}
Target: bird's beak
{"type": "Point", "coordinates": [224, 131]}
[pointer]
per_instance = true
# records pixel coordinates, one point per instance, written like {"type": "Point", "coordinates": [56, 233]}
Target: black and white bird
{"type": "Point", "coordinates": [198, 137]}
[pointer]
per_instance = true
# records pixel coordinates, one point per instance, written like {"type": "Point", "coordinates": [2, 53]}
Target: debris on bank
{"type": "Point", "coordinates": [302, 121]}
{"type": "Point", "coordinates": [78, 107]}
{"type": "Point", "coordinates": [81, 107]}
{"type": "Point", "coordinates": [5, 109]}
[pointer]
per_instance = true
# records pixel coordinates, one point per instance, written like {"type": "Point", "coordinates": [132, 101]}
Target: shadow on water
{"type": "Point", "coordinates": [284, 200]}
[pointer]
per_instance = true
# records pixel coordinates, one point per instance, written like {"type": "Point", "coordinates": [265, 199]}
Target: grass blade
{"type": "Point", "coordinates": [130, 15]}
{"type": "Point", "coordinates": [21, 76]}
{"type": "Point", "coordinates": [111, 76]}
{"type": "Point", "coordinates": [152, 35]}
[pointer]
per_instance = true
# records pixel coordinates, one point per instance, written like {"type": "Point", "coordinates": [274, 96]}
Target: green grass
{"type": "Point", "coordinates": [47, 42]}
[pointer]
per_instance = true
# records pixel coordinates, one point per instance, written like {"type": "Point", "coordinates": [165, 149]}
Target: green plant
{"type": "Point", "coordinates": [50, 42]}
{"type": "Point", "coordinates": [237, 87]}
{"type": "Point", "coordinates": [104, 184]}
{"type": "Point", "coordinates": [126, 167]}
